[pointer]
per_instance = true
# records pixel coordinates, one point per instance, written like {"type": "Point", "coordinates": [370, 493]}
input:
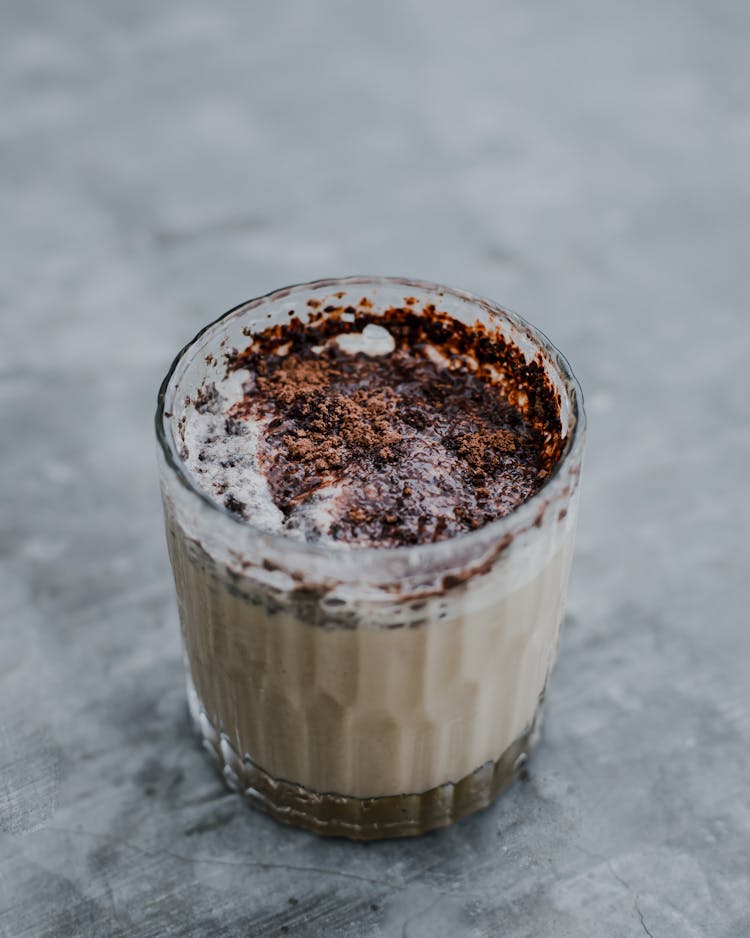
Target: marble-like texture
{"type": "Point", "coordinates": [584, 163]}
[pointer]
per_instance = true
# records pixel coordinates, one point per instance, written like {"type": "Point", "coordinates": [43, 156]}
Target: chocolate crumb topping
{"type": "Point", "coordinates": [449, 430]}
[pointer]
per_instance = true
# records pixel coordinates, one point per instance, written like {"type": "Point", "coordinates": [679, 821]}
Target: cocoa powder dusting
{"type": "Point", "coordinates": [449, 431]}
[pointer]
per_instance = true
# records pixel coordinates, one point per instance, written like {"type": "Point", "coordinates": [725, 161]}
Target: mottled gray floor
{"type": "Point", "coordinates": [584, 163]}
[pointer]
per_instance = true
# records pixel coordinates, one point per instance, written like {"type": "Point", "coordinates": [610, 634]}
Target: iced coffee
{"type": "Point", "coordinates": [370, 491]}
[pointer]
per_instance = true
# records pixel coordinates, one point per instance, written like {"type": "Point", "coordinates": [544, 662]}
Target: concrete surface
{"type": "Point", "coordinates": [583, 163]}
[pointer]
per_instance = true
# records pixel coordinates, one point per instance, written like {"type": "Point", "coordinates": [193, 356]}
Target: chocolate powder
{"type": "Point", "coordinates": [449, 431]}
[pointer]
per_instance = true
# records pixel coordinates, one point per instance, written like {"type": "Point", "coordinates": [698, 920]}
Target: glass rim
{"type": "Point", "coordinates": [491, 532]}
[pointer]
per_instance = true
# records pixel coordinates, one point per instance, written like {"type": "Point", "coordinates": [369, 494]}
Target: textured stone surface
{"type": "Point", "coordinates": [584, 163]}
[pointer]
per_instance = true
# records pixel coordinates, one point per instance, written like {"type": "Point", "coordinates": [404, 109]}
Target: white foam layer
{"type": "Point", "coordinates": [224, 463]}
{"type": "Point", "coordinates": [313, 517]}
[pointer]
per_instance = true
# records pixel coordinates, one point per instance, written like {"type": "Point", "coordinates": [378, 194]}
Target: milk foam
{"type": "Point", "coordinates": [226, 464]}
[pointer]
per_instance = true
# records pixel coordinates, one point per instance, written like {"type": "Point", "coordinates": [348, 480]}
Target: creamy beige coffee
{"type": "Point", "coordinates": [370, 503]}
{"type": "Point", "coordinates": [372, 711]}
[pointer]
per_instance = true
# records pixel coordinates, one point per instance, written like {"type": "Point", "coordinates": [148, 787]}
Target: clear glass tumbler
{"type": "Point", "coordinates": [367, 692]}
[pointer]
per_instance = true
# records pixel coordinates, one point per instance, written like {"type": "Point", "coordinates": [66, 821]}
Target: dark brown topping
{"type": "Point", "coordinates": [449, 431]}
{"type": "Point", "coordinates": [207, 399]}
{"type": "Point", "coordinates": [234, 504]}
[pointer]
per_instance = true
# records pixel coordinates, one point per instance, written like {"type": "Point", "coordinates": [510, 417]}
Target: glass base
{"type": "Point", "coordinates": [334, 815]}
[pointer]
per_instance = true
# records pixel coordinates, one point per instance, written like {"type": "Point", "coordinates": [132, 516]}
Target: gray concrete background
{"type": "Point", "coordinates": [583, 163]}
